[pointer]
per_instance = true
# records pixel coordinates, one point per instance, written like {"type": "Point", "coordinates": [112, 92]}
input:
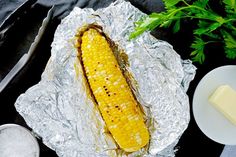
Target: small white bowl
{"type": "Point", "coordinates": [211, 122]}
{"type": "Point", "coordinates": [17, 141]}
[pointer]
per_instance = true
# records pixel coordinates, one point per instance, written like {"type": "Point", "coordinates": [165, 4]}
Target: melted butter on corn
{"type": "Point", "coordinates": [115, 100]}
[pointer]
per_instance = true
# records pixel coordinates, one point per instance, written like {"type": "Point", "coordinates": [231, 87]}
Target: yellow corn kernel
{"type": "Point", "coordinates": [116, 103]}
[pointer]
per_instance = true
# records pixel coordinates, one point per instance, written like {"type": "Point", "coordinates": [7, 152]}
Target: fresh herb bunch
{"type": "Point", "coordinates": [211, 27]}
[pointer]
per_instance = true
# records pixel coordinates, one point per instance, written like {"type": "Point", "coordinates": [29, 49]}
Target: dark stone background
{"type": "Point", "coordinates": [192, 143]}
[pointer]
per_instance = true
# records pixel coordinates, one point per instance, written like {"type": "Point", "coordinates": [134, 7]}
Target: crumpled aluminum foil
{"type": "Point", "coordinates": [60, 110]}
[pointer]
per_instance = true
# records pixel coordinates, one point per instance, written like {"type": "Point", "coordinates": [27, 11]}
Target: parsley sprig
{"type": "Point", "coordinates": [211, 27]}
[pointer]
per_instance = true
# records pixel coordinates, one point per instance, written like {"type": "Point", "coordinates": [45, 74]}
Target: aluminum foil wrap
{"type": "Point", "coordinates": [61, 111]}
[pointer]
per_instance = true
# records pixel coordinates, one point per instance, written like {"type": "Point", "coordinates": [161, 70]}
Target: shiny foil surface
{"type": "Point", "coordinates": [60, 108]}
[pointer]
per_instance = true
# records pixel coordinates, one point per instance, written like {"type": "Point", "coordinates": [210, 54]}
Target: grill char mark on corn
{"type": "Point", "coordinates": [115, 100]}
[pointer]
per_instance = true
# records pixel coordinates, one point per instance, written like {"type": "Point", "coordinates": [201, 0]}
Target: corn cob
{"type": "Point", "coordinates": [115, 100]}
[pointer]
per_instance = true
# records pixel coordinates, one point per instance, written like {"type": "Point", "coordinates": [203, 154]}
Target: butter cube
{"type": "Point", "coordinates": [224, 100]}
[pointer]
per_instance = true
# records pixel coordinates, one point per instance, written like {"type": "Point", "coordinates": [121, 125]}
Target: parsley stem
{"type": "Point", "coordinates": [232, 27]}
{"type": "Point", "coordinates": [188, 7]}
{"type": "Point", "coordinates": [194, 17]}
{"type": "Point", "coordinates": [185, 2]}
{"type": "Point", "coordinates": [212, 41]}
{"type": "Point", "coordinates": [229, 20]}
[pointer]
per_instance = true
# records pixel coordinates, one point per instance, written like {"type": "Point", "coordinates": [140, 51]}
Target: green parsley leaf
{"type": "Point", "coordinates": [230, 45]}
{"type": "Point", "coordinates": [229, 40]}
{"type": "Point", "coordinates": [230, 6]}
{"type": "Point", "coordinates": [198, 53]}
{"type": "Point", "coordinates": [208, 29]}
{"type": "Point", "coordinates": [147, 23]}
{"type": "Point", "coordinates": [201, 3]}
{"type": "Point", "coordinates": [234, 33]}
{"type": "Point", "coordinates": [171, 3]}
{"type": "Point", "coordinates": [176, 26]}
{"type": "Point", "coordinates": [213, 36]}
{"type": "Point", "coordinates": [230, 53]}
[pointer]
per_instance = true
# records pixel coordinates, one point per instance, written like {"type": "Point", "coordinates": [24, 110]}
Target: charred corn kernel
{"type": "Point", "coordinates": [115, 100]}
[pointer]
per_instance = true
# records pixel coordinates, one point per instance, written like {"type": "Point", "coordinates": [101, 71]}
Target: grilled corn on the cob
{"type": "Point", "coordinates": [115, 100]}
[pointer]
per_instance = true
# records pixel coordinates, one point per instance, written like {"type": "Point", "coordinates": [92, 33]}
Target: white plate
{"type": "Point", "coordinates": [211, 122]}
